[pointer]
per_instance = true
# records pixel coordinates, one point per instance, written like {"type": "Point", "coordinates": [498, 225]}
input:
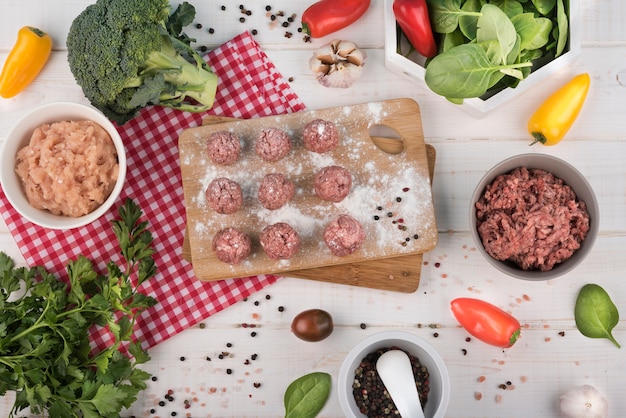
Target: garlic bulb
{"type": "Point", "coordinates": [584, 402]}
{"type": "Point", "coordinates": [337, 64]}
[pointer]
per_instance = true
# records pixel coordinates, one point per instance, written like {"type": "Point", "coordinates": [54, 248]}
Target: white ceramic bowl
{"type": "Point", "coordinates": [572, 177]}
{"type": "Point", "coordinates": [19, 136]}
{"type": "Point", "coordinates": [439, 395]}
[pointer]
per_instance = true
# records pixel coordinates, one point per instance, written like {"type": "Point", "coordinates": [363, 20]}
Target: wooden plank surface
{"type": "Point", "coordinates": [397, 183]}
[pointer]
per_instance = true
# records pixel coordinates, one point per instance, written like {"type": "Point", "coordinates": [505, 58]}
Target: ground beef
{"type": "Point", "coordinates": [344, 235]}
{"type": "Point", "coordinates": [333, 183]}
{"type": "Point", "coordinates": [224, 196]}
{"type": "Point", "coordinates": [531, 218]}
{"type": "Point", "coordinates": [320, 136]}
{"type": "Point", "coordinates": [280, 241]}
{"type": "Point", "coordinates": [231, 245]}
{"type": "Point", "coordinates": [275, 191]}
{"type": "Point", "coordinates": [223, 147]}
{"type": "Point", "coordinates": [68, 168]}
{"type": "Point", "coordinates": [272, 144]}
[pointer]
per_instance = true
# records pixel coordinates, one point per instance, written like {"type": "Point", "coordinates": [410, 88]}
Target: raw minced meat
{"type": "Point", "coordinates": [68, 168]}
{"type": "Point", "coordinates": [231, 245]}
{"type": "Point", "coordinates": [280, 241]}
{"type": "Point", "coordinates": [333, 183]}
{"type": "Point", "coordinates": [531, 218]}
{"type": "Point", "coordinates": [275, 191]}
{"type": "Point", "coordinates": [223, 147]}
{"type": "Point", "coordinates": [320, 136]}
{"type": "Point", "coordinates": [224, 196]}
{"type": "Point", "coordinates": [272, 144]}
{"type": "Point", "coordinates": [344, 235]}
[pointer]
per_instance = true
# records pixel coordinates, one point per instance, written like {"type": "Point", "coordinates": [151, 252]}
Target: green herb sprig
{"type": "Point", "coordinates": [46, 356]}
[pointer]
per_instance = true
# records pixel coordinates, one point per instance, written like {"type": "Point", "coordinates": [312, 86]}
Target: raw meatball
{"type": "Point", "coordinates": [333, 183]}
{"type": "Point", "coordinates": [224, 196]}
{"type": "Point", "coordinates": [275, 191]}
{"type": "Point", "coordinates": [280, 241]}
{"type": "Point", "coordinates": [320, 136]}
{"type": "Point", "coordinates": [231, 245]}
{"type": "Point", "coordinates": [223, 147]}
{"type": "Point", "coordinates": [272, 144]}
{"type": "Point", "coordinates": [344, 235]}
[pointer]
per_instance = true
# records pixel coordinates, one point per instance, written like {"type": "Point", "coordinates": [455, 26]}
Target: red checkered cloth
{"type": "Point", "coordinates": [249, 86]}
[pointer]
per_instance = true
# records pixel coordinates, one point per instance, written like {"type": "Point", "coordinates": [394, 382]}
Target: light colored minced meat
{"type": "Point", "coordinates": [530, 217]}
{"type": "Point", "coordinates": [68, 168]}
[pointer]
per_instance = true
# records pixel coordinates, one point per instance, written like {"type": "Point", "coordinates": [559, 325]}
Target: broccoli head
{"type": "Point", "coordinates": [130, 54]}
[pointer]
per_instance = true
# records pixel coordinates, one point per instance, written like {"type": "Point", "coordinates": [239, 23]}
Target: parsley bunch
{"type": "Point", "coordinates": [46, 356]}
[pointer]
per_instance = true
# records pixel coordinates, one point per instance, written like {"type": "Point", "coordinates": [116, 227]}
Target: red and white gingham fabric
{"type": "Point", "coordinates": [249, 86]}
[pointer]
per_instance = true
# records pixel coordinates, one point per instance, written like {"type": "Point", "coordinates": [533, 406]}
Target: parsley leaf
{"type": "Point", "coordinates": [46, 356]}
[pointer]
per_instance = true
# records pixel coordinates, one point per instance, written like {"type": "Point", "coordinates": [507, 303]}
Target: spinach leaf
{"type": "Point", "coordinates": [468, 23]}
{"type": "Point", "coordinates": [563, 25]}
{"type": "Point", "coordinates": [494, 25]}
{"type": "Point", "coordinates": [305, 397]}
{"type": "Point", "coordinates": [534, 32]}
{"type": "Point", "coordinates": [445, 14]}
{"type": "Point", "coordinates": [509, 7]}
{"type": "Point", "coordinates": [464, 71]}
{"type": "Point", "coordinates": [544, 6]}
{"type": "Point", "coordinates": [595, 313]}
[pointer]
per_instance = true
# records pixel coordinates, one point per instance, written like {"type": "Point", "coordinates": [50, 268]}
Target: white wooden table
{"type": "Point", "coordinates": [540, 366]}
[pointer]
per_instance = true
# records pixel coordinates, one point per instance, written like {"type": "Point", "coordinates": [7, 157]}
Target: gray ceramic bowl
{"type": "Point", "coordinates": [439, 395]}
{"type": "Point", "coordinates": [20, 135]}
{"type": "Point", "coordinates": [572, 177]}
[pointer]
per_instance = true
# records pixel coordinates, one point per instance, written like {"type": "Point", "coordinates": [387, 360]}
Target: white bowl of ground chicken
{"type": "Point", "coordinates": [534, 217]}
{"type": "Point", "coordinates": [63, 165]}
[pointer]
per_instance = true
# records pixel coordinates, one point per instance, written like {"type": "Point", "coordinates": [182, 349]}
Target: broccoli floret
{"type": "Point", "coordinates": [129, 54]}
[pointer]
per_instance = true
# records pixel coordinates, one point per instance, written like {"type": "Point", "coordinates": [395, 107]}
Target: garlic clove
{"type": "Point", "coordinates": [583, 402]}
{"type": "Point", "coordinates": [337, 64]}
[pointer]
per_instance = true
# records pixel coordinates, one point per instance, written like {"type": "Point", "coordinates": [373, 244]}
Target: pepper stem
{"type": "Point", "coordinates": [539, 137]}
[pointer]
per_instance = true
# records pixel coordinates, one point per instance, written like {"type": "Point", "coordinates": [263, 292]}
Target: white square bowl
{"type": "Point", "coordinates": [414, 68]}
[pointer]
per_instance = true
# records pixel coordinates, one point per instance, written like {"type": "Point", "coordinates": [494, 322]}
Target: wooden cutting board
{"type": "Point", "coordinates": [359, 155]}
{"type": "Point", "coordinates": [398, 274]}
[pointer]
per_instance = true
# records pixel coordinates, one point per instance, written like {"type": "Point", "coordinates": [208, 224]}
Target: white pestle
{"type": "Point", "coordinates": [394, 368]}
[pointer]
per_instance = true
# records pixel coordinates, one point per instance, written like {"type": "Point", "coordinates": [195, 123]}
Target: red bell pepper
{"type": "Point", "coordinates": [486, 322]}
{"type": "Point", "coordinates": [328, 16]}
{"type": "Point", "coordinates": [413, 18]}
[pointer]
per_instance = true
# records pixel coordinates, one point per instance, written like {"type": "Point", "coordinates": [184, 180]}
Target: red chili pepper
{"type": "Point", "coordinates": [328, 16]}
{"type": "Point", "coordinates": [413, 18]}
{"type": "Point", "coordinates": [486, 322]}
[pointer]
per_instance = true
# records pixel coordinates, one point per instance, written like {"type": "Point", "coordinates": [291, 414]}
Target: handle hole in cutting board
{"type": "Point", "coordinates": [386, 139]}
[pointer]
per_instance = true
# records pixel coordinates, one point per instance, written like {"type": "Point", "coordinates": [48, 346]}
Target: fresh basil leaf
{"type": "Point", "coordinates": [595, 313]}
{"type": "Point", "coordinates": [305, 397]}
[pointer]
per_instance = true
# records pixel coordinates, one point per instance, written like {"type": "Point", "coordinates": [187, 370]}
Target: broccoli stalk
{"type": "Point", "coordinates": [130, 54]}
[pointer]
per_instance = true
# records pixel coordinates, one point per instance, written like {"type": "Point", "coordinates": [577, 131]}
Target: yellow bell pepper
{"type": "Point", "coordinates": [556, 115]}
{"type": "Point", "coordinates": [25, 61]}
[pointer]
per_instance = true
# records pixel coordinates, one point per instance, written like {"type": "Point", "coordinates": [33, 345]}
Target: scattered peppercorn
{"type": "Point", "coordinates": [502, 386]}
{"type": "Point", "coordinates": [256, 303]}
{"type": "Point", "coordinates": [211, 31]}
{"type": "Point", "coordinates": [253, 334]}
{"type": "Point", "coordinates": [161, 403]}
{"type": "Point", "coordinates": [201, 325]}
{"type": "Point", "coordinates": [199, 25]}
{"type": "Point", "coordinates": [281, 309]}
{"type": "Point", "coordinates": [398, 199]}
{"type": "Point", "coordinates": [468, 339]}
{"type": "Point", "coordinates": [376, 217]}
{"type": "Point", "coordinates": [267, 297]}
{"type": "Point", "coordinates": [152, 411]}
{"type": "Point", "coordinates": [229, 345]}
{"type": "Point", "coordinates": [464, 351]}
{"type": "Point", "coordinates": [229, 371]}
{"type": "Point", "coordinates": [182, 358]}
{"type": "Point", "coordinates": [154, 378]}
{"type": "Point", "coordinates": [268, 8]}
{"type": "Point", "coordinates": [363, 325]}
{"type": "Point", "coordinates": [389, 214]}
{"type": "Point", "coordinates": [257, 385]}
{"type": "Point", "coordinates": [562, 333]}
{"type": "Point", "coordinates": [208, 358]}
{"type": "Point", "coordinates": [254, 356]}
{"type": "Point", "coordinates": [223, 7]}
{"type": "Point", "coordinates": [290, 79]}
{"type": "Point", "coordinates": [254, 31]}
{"type": "Point", "coordinates": [436, 334]}
{"type": "Point", "coordinates": [242, 19]}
